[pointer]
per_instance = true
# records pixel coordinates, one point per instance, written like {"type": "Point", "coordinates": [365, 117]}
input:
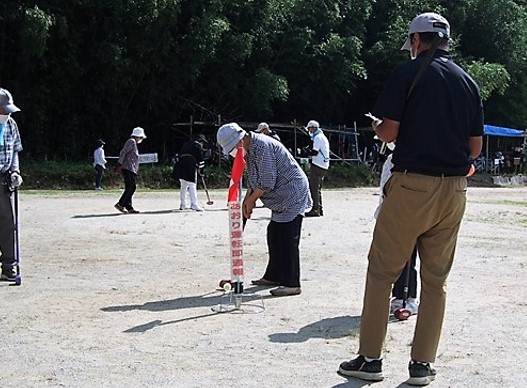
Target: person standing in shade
{"type": "Point", "coordinates": [263, 128]}
{"type": "Point", "coordinates": [190, 160]}
{"type": "Point", "coordinates": [433, 109]}
{"type": "Point", "coordinates": [10, 179]}
{"type": "Point", "coordinates": [274, 177]}
{"type": "Point", "coordinates": [99, 163]}
{"type": "Point", "coordinates": [128, 165]}
{"type": "Point", "coordinates": [319, 153]}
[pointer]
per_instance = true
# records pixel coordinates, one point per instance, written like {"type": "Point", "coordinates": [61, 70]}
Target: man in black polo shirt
{"type": "Point", "coordinates": [433, 110]}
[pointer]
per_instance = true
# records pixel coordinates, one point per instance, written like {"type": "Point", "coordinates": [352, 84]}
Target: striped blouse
{"type": "Point", "coordinates": [272, 169]}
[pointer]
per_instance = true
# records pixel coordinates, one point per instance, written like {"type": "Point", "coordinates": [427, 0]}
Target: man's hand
{"type": "Point", "coordinates": [117, 169]}
{"type": "Point", "coordinates": [16, 180]}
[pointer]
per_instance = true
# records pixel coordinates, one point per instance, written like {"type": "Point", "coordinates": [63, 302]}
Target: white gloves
{"type": "Point", "coordinates": [16, 180]}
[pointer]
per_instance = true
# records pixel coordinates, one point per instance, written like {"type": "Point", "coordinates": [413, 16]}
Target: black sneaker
{"type": "Point", "coordinates": [131, 210]}
{"type": "Point", "coordinates": [362, 369]}
{"type": "Point", "coordinates": [420, 374]}
{"type": "Point", "coordinates": [8, 275]}
{"type": "Point", "coordinates": [120, 208]}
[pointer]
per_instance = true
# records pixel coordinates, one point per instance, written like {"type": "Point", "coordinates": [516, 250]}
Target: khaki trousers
{"type": "Point", "coordinates": [418, 209]}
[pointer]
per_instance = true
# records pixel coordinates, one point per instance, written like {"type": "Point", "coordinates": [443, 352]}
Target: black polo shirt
{"type": "Point", "coordinates": [436, 121]}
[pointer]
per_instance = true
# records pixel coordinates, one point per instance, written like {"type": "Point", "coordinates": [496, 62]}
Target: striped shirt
{"type": "Point", "coordinates": [272, 169]}
{"type": "Point", "coordinates": [129, 156]}
{"type": "Point", "coordinates": [12, 146]}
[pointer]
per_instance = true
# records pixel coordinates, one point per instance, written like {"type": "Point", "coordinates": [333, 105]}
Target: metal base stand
{"type": "Point", "coordinates": [246, 302]}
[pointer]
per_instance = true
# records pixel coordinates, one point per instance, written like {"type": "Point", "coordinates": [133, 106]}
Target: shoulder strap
{"type": "Point", "coordinates": [424, 65]}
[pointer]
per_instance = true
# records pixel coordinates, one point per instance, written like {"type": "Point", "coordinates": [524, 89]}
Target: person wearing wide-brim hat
{"type": "Point", "coordinates": [274, 177]}
{"type": "Point", "coordinates": [128, 165]}
{"type": "Point", "coordinates": [10, 179]}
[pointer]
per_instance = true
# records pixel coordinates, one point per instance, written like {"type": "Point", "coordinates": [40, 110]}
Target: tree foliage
{"type": "Point", "coordinates": [85, 69]}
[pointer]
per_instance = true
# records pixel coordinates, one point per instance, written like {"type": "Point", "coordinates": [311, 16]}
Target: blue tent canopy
{"type": "Point", "coordinates": [491, 130]}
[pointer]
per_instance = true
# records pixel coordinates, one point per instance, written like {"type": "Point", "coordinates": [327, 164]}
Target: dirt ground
{"type": "Point", "coordinates": [112, 300]}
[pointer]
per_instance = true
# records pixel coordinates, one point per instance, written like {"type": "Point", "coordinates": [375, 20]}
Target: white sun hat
{"type": "Point", "coordinates": [138, 132]}
{"type": "Point", "coordinates": [229, 135]}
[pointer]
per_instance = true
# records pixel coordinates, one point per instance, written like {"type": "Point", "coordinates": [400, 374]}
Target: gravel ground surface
{"type": "Point", "coordinates": [113, 300]}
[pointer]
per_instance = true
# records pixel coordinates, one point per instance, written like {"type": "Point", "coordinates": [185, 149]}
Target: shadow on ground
{"type": "Point", "coordinates": [327, 328]}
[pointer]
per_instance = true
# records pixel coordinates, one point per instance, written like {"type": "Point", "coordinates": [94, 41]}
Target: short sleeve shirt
{"type": "Point", "coordinates": [436, 121]}
{"type": "Point", "coordinates": [321, 144]}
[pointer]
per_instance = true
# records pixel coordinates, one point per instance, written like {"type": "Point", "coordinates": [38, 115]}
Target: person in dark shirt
{"type": "Point", "coordinates": [433, 109]}
{"type": "Point", "coordinates": [189, 161]}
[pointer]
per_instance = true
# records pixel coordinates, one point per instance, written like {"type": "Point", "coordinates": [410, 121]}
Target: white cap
{"type": "Point", "coordinates": [6, 102]}
{"type": "Point", "coordinates": [229, 135]}
{"type": "Point", "coordinates": [313, 124]}
{"type": "Point", "coordinates": [138, 132]}
{"type": "Point", "coordinates": [261, 127]}
{"type": "Point", "coordinates": [428, 22]}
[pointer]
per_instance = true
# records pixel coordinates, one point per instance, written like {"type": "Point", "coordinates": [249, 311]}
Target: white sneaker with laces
{"type": "Point", "coordinates": [197, 208]}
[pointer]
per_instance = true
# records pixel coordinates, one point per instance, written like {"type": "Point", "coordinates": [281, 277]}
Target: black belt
{"type": "Point", "coordinates": [418, 172]}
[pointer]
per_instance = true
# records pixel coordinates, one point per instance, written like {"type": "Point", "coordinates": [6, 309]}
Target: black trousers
{"type": "Point", "coordinates": [129, 189]}
{"type": "Point", "coordinates": [316, 177]}
{"type": "Point", "coordinates": [99, 170]}
{"type": "Point", "coordinates": [283, 239]}
{"type": "Point", "coordinates": [7, 225]}
{"type": "Point", "coordinates": [398, 286]}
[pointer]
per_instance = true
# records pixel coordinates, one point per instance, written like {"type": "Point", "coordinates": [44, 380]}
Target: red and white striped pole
{"type": "Point", "coordinates": [236, 222]}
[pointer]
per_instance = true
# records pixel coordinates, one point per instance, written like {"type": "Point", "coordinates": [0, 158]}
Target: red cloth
{"type": "Point", "coordinates": [236, 176]}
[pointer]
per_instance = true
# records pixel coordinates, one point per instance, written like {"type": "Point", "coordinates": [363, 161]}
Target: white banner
{"type": "Point", "coordinates": [148, 158]}
{"type": "Point", "coordinates": [236, 241]}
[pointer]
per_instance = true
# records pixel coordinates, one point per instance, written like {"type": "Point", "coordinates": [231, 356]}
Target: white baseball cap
{"type": "Point", "coordinates": [6, 102]}
{"type": "Point", "coordinates": [138, 132]}
{"type": "Point", "coordinates": [261, 127]}
{"type": "Point", "coordinates": [313, 124]}
{"type": "Point", "coordinates": [427, 22]}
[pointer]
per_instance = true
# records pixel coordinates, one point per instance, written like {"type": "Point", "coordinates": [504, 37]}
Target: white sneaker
{"type": "Point", "coordinates": [395, 304]}
{"type": "Point", "coordinates": [196, 208]}
{"type": "Point", "coordinates": [411, 304]}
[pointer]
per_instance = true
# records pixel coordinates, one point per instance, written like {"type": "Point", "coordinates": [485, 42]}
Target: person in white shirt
{"type": "Point", "coordinates": [319, 165]}
{"type": "Point", "coordinates": [398, 288]}
{"type": "Point", "coordinates": [99, 163]}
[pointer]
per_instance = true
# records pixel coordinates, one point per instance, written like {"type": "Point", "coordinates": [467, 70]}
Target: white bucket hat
{"type": "Point", "coordinates": [229, 135]}
{"type": "Point", "coordinates": [138, 132]}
